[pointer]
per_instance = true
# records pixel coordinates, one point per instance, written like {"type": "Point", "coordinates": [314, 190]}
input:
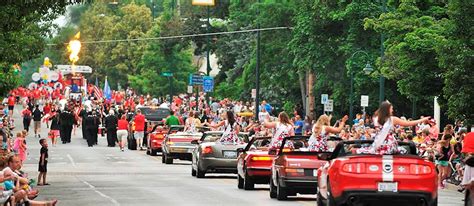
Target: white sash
{"type": "Point", "coordinates": [382, 135]}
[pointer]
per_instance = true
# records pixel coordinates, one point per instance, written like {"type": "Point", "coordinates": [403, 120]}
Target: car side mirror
{"type": "Point", "coordinates": [195, 141]}
{"type": "Point", "coordinates": [240, 150]}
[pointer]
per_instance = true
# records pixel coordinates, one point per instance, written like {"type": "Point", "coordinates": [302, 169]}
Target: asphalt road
{"type": "Point", "coordinates": [101, 175]}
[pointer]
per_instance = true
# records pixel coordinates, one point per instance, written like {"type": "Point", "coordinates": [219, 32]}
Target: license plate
{"type": "Point", "coordinates": [230, 154]}
{"type": "Point", "coordinates": [388, 186]}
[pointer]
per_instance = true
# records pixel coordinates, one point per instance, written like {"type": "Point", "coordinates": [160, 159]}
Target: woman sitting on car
{"type": "Point", "coordinates": [231, 129]}
{"type": "Point", "coordinates": [283, 128]}
{"type": "Point", "coordinates": [385, 123]}
{"type": "Point", "coordinates": [321, 131]}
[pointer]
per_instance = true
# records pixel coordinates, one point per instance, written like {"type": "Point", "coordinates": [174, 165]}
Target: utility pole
{"type": "Point", "coordinates": [382, 58]}
{"type": "Point", "coordinates": [257, 67]}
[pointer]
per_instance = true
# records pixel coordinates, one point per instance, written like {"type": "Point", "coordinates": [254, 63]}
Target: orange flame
{"type": "Point", "coordinates": [74, 47]}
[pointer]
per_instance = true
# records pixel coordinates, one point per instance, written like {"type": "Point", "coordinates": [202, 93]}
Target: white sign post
{"type": "Point", "coordinates": [364, 100]}
{"type": "Point", "coordinates": [190, 89]}
{"type": "Point", "coordinates": [329, 106]}
{"type": "Point", "coordinates": [324, 98]}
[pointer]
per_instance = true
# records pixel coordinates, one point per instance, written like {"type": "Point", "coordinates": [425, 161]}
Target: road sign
{"type": "Point", "coordinates": [364, 100]}
{"type": "Point", "coordinates": [254, 93]}
{"type": "Point", "coordinates": [324, 98]}
{"type": "Point", "coordinates": [203, 2]}
{"type": "Point", "coordinates": [328, 107]}
{"type": "Point", "coordinates": [66, 69]}
{"type": "Point", "coordinates": [195, 79]}
{"type": "Point", "coordinates": [167, 74]}
{"type": "Point", "coordinates": [207, 83]}
{"type": "Point", "coordinates": [190, 89]}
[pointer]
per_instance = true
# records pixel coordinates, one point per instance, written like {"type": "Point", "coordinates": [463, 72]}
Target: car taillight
{"type": "Point", "coordinates": [420, 169]}
{"type": "Point", "coordinates": [261, 158]}
{"type": "Point", "coordinates": [354, 168]}
{"type": "Point", "coordinates": [294, 172]}
{"type": "Point", "coordinates": [159, 136]}
{"type": "Point", "coordinates": [207, 150]}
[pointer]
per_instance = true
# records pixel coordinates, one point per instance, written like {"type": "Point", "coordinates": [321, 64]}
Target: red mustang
{"type": "Point", "coordinates": [254, 163]}
{"type": "Point", "coordinates": [155, 140]}
{"type": "Point", "coordinates": [367, 179]}
{"type": "Point", "coordinates": [294, 168]}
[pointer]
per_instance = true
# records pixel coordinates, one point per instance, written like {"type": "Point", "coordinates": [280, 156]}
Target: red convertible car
{"type": "Point", "coordinates": [368, 179]}
{"type": "Point", "coordinates": [294, 168]}
{"type": "Point", "coordinates": [254, 163]}
{"type": "Point", "coordinates": [155, 140]}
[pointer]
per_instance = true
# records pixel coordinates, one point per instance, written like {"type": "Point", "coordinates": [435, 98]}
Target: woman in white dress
{"type": "Point", "coordinates": [283, 128]}
{"type": "Point", "coordinates": [321, 131]}
{"type": "Point", "coordinates": [231, 129]}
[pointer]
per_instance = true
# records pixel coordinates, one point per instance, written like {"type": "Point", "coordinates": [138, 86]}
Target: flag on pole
{"type": "Point", "coordinates": [97, 92]}
{"type": "Point", "coordinates": [107, 90]}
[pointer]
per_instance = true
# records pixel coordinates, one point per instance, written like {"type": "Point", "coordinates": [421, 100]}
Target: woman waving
{"type": "Point", "coordinates": [283, 128]}
{"type": "Point", "coordinates": [231, 129]}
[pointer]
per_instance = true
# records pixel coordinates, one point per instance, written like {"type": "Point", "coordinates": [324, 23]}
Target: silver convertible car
{"type": "Point", "coordinates": [211, 156]}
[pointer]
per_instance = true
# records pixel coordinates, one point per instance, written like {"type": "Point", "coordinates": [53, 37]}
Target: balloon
{"type": "Point", "coordinates": [58, 85]}
{"type": "Point", "coordinates": [32, 86]}
{"type": "Point", "coordinates": [49, 89]}
{"type": "Point", "coordinates": [46, 62]}
{"type": "Point", "coordinates": [43, 70]}
{"type": "Point", "coordinates": [53, 76]}
{"type": "Point", "coordinates": [35, 76]}
{"type": "Point", "coordinates": [45, 81]}
{"type": "Point", "coordinates": [44, 77]}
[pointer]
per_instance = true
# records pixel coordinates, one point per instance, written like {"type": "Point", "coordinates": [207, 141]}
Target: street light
{"type": "Point", "coordinates": [367, 70]}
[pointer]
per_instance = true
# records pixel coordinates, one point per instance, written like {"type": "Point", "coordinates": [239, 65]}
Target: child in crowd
{"type": "Point", "coordinates": [43, 162]}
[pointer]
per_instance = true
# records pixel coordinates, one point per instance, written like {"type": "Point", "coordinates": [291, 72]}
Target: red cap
{"type": "Point", "coordinates": [468, 145]}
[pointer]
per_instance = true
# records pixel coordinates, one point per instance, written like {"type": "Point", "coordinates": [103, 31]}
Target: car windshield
{"type": "Point", "coordinates": [259, 143]}
{"type": "Point", "coordinates": [186, 135]}
{"type": "Point", "coordinates": [155, 111]}
{"type": "Point", "coordinates": [215, 136]}
{"type": "Point", "coordinates": [301, 144]}
{"type": "Point", "coordinates": [347, 148]}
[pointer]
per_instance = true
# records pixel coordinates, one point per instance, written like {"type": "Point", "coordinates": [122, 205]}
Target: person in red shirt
{"type": "Point", "coordinates": [139, 121]}
{"type": "Point", "coordinates": [47, 111]}
{"type": "Point", "coordinates": [122, 131]}
{"type": "Point", "coordinates": [11, 105]}
{"type": "Point", "coordinates": [26, 114]}
{"type": "Point", "coordinates": [142, 100]}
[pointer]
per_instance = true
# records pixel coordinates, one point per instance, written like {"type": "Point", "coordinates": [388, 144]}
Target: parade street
{"type": "Point", "coordinates": [101, 175]}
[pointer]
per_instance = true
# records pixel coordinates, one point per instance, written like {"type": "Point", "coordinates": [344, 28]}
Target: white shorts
{"type": "Point", "coordinates": [139, 135]}
{"type": "Point", "coordinates": [122, 135]}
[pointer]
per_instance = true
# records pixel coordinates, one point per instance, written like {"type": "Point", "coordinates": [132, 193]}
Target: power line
{"type": "Point", "coordinates": [183, 36]}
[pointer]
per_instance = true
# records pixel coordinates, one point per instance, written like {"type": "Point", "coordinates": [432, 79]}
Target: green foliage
{"type": "Point", "coordinates": [22, 30]}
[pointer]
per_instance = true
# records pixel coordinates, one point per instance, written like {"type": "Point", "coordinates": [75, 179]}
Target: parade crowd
{"type": "Point", "coordinates": [121, 114]}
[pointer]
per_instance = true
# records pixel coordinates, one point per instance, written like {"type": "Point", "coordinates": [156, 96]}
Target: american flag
{"type": "Point", "coordinates": [97, 92]}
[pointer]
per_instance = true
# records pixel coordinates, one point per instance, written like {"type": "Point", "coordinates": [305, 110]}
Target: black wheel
{"type": "Point", "coordinates": [200, 173]}
{"type": "Point", "coordinates": [467, 198]}
{"type": "Point", "coordinates": [240, 182]}
{"type": "Point", "coordinates": [273, 193]}
{"type": "Point", "coordinates": [282, 193]}
{"type": "Point", "coordinates": [248, 183]}
{"type": "Point", "coordinates": [168, 160]}
{"type": "Point", "coordinates": [319, 200]}
{"type": "Point", "coordinates": [193, 172]}
{"type": "Point", "coordinates": [330, 201]}
{"type": "Point", "coordinates": [153, 152]}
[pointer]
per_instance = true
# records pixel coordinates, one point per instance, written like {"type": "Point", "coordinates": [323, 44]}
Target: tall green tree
{"type": "Point", "coordinates": [23, 29]}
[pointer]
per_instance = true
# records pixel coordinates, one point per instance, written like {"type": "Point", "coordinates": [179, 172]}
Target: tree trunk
{"type": "Point", "coordinates": [302, 81]}
{"type": "Point", "coordinates": [311, 101]}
